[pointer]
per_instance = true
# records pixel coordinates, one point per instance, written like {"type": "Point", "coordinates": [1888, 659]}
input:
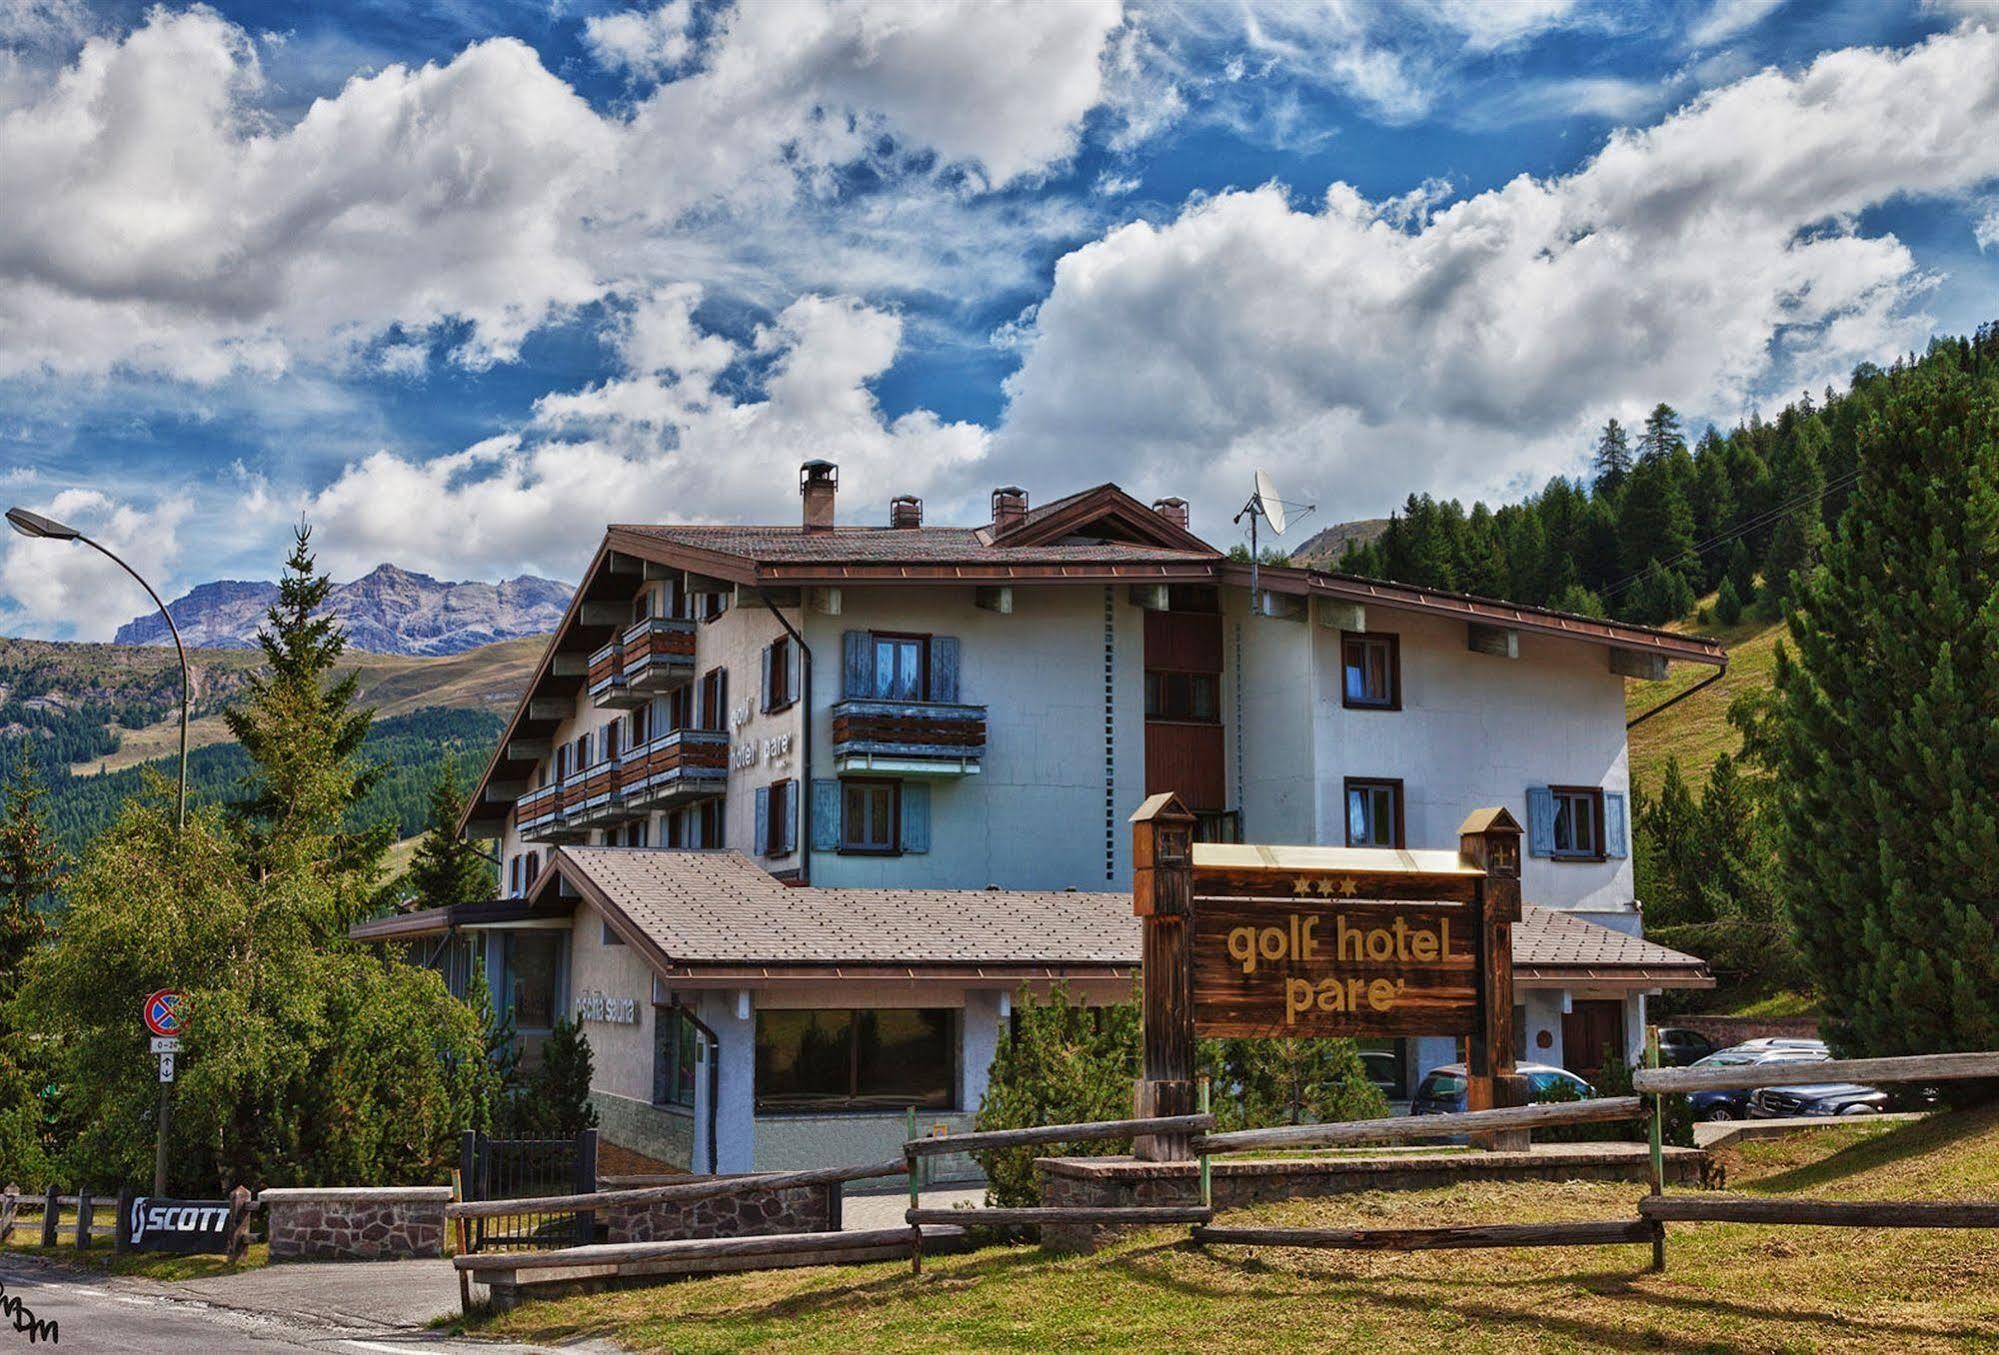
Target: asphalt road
{"type": "Point", "coordinates": [104, 1313]}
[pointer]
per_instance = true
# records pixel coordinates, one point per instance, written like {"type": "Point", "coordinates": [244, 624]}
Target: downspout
{"type": "Point", "coordinates": [805, 718]}
{"type": "Point", "coordinates": [714, 1086]}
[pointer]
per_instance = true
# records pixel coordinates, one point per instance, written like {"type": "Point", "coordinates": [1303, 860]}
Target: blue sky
{"type": "Point", "coordinates": [461, 283]}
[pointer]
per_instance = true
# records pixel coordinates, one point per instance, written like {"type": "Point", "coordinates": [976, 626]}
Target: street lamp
{"type": "Point", "coordinates": [48, 529]}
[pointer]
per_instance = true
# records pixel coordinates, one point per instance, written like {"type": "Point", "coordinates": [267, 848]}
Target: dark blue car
{"type": "Point", "coordinates": [1443, 1091]}
{"type": "Point", "coordinates": [1734, 1105]}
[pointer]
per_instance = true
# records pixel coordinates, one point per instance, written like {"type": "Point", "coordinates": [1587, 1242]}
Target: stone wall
{"type": "Point", "coordinates": [1120, 1182]}
{"type": "Point", "coordinates": [379, 1224]}
{"type": "Point", "coordinates": [658, 1134]}
{"type": "Point", "coordinates": [797, 1209]}
{"type": "Point", "coordinates": [1729, 1030]}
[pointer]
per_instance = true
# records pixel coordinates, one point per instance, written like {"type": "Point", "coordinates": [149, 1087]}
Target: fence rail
{"type": "Point", "coordinates": [1056, 1133]}
{"type": "Point", "coordinates": [1749, 1076]}
{"type": "Point", "coordinates": [1115, 1216]}
{"type": "Point", "coordinates": [1588, 1233]}
{"type": "Point", "coordinates": [1819, 1213]}
{"type": "Point", "coordinates": [707, 1188]}
{"type": "Point", "coordinates": [1601, 1110]}
{"type": "Point", "coordinates": [688, 1249]}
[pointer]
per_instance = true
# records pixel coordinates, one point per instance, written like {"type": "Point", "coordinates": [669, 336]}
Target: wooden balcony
{"type": "Point", "coordinates": [674, 769]}
{"type": "Point", "coordinates": [908, 738]}
{"type": "Point", "coordinates": [658, 656]}
{"type": "Point", "coordinates": [591, 797]}
{"type": "Point", "coordinates": [537, 810]}
{"type": "Point", "coordinates": [609, 689]}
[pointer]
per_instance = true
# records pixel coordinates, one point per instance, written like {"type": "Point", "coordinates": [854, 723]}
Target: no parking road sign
{"type": "Point", "coordinates": [163, 1012]}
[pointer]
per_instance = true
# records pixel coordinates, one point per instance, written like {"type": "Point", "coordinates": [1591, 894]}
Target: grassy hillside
{"type": "Point", "coordinates": [1727, 1287]}
{"type": "Point", "coordinates": [1697, 730]}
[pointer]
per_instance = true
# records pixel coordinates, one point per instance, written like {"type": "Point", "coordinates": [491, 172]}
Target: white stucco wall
{"type": "Point", "coordinates": [1035, 816]}
{"type": "Point", "coordinates": [1269, 674]}
{"type": "Point", "coordinates": [1475, 730]}
{"type": "Point", "coordinates": [621, 1054]}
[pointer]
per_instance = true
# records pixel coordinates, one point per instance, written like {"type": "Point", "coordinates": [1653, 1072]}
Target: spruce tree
{"type": "Point", "coordinates": [1886, 732]}
{"type": "Point", "coordinates": [1612, 462]}
{"type": "Point", "coordinates": [29, 865]}
{"type": "Point", "coordinates": [1661, 436]}
{"type": "Point", "coordinates": [447, 868]}
{"type": "Point", "coordinates": [1799, 536]}
{"type": "Point", "coordinates": [303, 732]}
{"type": "Point", "coordinates": [1655, 522]}
{"type": "Point", "coordinates": [1728, 604]}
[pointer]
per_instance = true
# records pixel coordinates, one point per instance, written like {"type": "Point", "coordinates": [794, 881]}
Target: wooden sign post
{"type": "Point", "coordinates": [1248, 942]}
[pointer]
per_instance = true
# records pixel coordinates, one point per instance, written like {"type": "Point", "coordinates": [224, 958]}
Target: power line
{"type": "Point", "coordinates": [1741, 529]}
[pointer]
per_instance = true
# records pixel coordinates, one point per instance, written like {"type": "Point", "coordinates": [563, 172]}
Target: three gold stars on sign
{"type": "Point", "coordinates": [1324, 886]}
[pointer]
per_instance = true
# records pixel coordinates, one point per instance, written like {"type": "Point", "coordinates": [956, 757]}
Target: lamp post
{"type": "Point", "coordinates": [35, 525]}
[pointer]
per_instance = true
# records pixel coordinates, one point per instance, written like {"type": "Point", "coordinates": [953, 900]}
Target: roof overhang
{"type": "Point", "coordinates": [425, 922]}
{"type": "Point", "coordinates": [1613, 976]}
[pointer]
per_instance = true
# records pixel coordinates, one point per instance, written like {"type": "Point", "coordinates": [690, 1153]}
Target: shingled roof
{"type": "Point", "coordinates": [901, 545]}
{"type": "Point", "coordinates": [717, 913]}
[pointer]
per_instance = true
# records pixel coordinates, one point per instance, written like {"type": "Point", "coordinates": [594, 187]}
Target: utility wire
{"type": "Point", "coordinates": [1741, 529]}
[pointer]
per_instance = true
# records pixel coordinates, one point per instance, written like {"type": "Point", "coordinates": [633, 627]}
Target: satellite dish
{"type": "Point", "coordinates": [1267, 500]}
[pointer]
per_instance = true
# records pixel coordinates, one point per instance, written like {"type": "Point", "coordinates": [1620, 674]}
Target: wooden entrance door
{"type": "Point", "coordinates": [1588, 1030]}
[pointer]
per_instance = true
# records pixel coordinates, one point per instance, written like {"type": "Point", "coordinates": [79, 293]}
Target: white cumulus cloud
{"type": "Point", "coordinates": [1362, 353]}
{"type": "Point", "coordinates": [67, 584]}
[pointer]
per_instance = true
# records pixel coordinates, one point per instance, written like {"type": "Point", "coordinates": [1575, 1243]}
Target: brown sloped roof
{"type": "Point", "coordinates": [709, 910]}
{"type": "Point", "coordinates": [898, 545]}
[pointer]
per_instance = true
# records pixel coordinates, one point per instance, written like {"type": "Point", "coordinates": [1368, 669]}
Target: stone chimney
{"type": "Point", "coordinates": [905, 510]}
{"type": "Point", "coordinates": [818, 483]}
{"type": "Point", "coordinates": [1009, 508]}
{"type": "Point", "coordinates": [1173, 510]}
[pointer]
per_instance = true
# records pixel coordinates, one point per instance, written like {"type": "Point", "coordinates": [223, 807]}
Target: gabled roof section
{"type": "Point", "coordinates": [1104, 513]}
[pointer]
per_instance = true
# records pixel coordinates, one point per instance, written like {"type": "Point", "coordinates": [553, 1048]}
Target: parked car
{"type": "Point", "coordinates": [1782, 1042]}
{"type": "Point", "coordinates": [1734, 1105]}
{"type": "Point", "coordinates": [1443, 1090]}
{"type": "Point", "coordinates": [1679, 1046]}
{"type": "Point", "coordinates": [1817, 1098]}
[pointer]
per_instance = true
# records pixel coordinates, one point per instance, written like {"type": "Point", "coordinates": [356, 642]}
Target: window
{"type": "Point", "coordinates": [514, 878]}
{"type": "Point", "coordinates": [708, 823]}
{"type": "Point", "coordinates": [532, 871]}
{"type": "Point", "coordinates": [869, 815]}
{"type": "Point", "coordinates": [825, 1060]}
{"type": "Point", "coordinates": [1371, 672]}
{"type": "Point", "coordinates": [1387, 1065]}
{"type": "Point", "coordinates": [712, 605]}
{"type": "Point", "coordinates": [902, 664]}
{"type": "Point", "coordinates": [715, 699]}
{"type": "Point", "coordinates": [533, 962]}
{"type": "Point", "coordinates": [636, 727]}
{"type": "Point", "coordinates": [642, 606]}
{"type": "Point", "coordinates": [562, 763]}
{"type": "Point", "coordinates": [676, 1054]}
{"type": "Point", "coordinates": [1374, 812]}
{"type": "Point", "coordinates": [1182, 696]}
{"type": "Point", "coordinates": [677, 710]}
{"type": "Point", "coordinates": [780, 674]}
{"type": "Point", "coordinates": [777, 818]}
{"type": "Point", "coordinates": [1578, 822]}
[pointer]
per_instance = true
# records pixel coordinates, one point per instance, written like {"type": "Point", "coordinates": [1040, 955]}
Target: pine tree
{"type": "Point", "coordinates": [1662, 435]}
{"type": "Point", "coordinates": [1800, 535]}
{"type": "Point", "coordinates": [304, 733]}
{"type": "Point", "coordinates": [1886, 731]}
{"type": "Point", "coordinates": [1654, 522]}
{"type": "Point", "coordinates": [1728, 604]}
{"type": "Point", "coordinates": [447, 868]}
{"type": "Point", "coordinates": [29, 865]}
{"type": "Point", "coordinates": [1612, 462]}
{"type": "Point", "coordinates": [1741, 571]}
{"type": "Point", "coordinates": [556, 1101]}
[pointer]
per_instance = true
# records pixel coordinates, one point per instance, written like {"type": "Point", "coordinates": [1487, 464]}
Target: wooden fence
{"type": "Point", "coordinates": [48, 1208]}
{"type": "Point", "coordinates": [1655, 1211]}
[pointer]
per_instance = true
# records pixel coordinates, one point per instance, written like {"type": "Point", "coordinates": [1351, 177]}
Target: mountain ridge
{"type": "Point", "coordinates": [389, 610]}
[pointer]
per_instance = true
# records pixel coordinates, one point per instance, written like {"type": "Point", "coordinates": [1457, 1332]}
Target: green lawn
{"type": "Point", "coordinates": [1697, 730]}
{"type": "Point", "coordinates": [1727, 1288]}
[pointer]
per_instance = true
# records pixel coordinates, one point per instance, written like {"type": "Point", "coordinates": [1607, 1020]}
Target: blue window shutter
{"type": "Point", "coordinates": [859, 651]}
{"type": "Point", "coordinates": [769, 688]}
{"type": "Point", "coordinates": [916, 816]}
{"type": "Point", "coordinates": [788, 816]}
{"type": "Point", "coordinates": [825, 816]}
{"type": "Point", "coordinates": [1616, 839]}
{"type": "Point", "coordinates": [944, 668]}
{"type": "Point", "coordinates": [794, 666]}
{"type": "Point", "coordinates": [1540, 821]}
{"type": "Point", "coordinates": [763, 821]}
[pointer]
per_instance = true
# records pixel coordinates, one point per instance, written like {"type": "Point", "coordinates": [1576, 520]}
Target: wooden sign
{"type": "Point", "coordinates": [1311, 967]}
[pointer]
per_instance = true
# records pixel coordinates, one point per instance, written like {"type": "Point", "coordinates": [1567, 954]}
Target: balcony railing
{"type": "Point", "coordinates": [675, 768]}
{"type": "Point", "coordinates": [591, 795]}
{"type": "Point", "coordinates": [909, 738]}
{"type": "Point", "coordinates": [658, 655]}
{"type": "Point", "coordinates": [608, 687]}
{"type": "Point", "coordinates": [537, 810]}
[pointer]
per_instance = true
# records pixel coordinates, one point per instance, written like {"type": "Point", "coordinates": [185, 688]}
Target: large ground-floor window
{"type": "Point", "coordinates": [832, 1059]}
{"type": "Point", "coordinates": [675, 1057]}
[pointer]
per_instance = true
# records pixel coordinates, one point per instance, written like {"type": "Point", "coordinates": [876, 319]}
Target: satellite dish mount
{"type": "Point", "coordinates": [1265, 503]}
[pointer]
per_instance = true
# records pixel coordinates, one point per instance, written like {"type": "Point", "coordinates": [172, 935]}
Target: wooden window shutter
{"type": "Point", "coordinates": [1540, 821]}
{"type": "Point", "coordinates": [1616, 837]}
{"type": "Point", "coordinates": [825, 816]}
{"type": "Point", "coordinates": [763, 821]}
{"type": "Point", "coordinates": [769, 687]}
{"type": "Point", "coordinates": [788, 816]}
{"type": "Point", "coordinates": [858, 666]}
{"type": "Point", "coordinates": [794, 666]}
{"type": "Point", "coordinates": [944, 668]}
{"type": "Point", "coordinates": [916, 816]}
